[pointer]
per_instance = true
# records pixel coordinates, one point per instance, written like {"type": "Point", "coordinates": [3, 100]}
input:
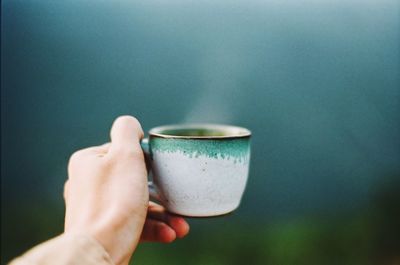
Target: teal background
{"type": "Point", "coordinates": [316, 82]}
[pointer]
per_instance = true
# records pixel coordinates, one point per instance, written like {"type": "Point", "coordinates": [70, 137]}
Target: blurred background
{"type": "Point", "coordinates": [318, 83]}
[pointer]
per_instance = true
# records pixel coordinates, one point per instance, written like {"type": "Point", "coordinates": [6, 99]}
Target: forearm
{"type": "Point", "coordinates": [66, 249]}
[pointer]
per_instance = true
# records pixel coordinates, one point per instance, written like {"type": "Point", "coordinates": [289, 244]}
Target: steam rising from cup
{"type": "Point", "coordinates": [222, 69]}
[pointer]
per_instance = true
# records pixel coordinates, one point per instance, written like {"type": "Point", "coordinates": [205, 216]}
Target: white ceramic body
{"type": "Point", "coordinates": [199, 186]}
{"type": "Point", "coordinates": [198, 177]}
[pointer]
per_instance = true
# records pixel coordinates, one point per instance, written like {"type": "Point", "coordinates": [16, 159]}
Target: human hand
{"type": "Point", "coordinates": [106, 195]}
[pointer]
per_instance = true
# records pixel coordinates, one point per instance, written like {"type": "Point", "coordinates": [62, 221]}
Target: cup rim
{"type": "Point", "coordinates": [232, 131]}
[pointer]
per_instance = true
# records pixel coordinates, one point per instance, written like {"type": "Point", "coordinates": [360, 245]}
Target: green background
{"type": "Point", "coordinates": [316, 82]}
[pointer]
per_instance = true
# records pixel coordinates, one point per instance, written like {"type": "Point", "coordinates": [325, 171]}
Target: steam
{"type": "Point", "coordinates": [222, 69]}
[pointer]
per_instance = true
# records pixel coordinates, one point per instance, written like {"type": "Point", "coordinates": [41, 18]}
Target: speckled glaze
{"type": "Point", "coordinates": [199, 176]}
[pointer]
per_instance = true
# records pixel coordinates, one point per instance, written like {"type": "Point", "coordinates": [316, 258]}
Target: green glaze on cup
{"type": "Point", "coordinates": [237, 149]}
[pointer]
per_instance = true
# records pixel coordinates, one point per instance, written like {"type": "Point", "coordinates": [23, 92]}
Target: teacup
{"type": "Point", "coordinates": [198, 170]}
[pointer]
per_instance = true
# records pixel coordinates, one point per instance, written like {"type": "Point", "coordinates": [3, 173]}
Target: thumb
{"type": "Point", "coordinates": [126, 133]}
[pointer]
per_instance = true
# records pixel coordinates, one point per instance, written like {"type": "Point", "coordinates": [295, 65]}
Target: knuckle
{"type": "Point", "coordinates": [135, 154]}
{"type": "Point", "coordinates": [75, 157]}
{"type": "Point", "coordinates": [131, 153]}
{"type": "Point", "coordinates": [127, 153]}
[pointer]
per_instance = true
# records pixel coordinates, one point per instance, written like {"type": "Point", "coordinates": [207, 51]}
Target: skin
{"type": "Point", "coordinates": [106, 195]}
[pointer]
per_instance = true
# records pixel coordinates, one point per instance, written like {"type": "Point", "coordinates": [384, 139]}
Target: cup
{"type": "Point", "coordinates": [198, 170]}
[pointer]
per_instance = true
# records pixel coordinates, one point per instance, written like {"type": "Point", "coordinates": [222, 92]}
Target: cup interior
{"type": "Point", "coordinates": [200, 131]}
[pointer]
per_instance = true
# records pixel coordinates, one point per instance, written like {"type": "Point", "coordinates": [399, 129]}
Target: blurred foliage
{"type": "Point", "coordinates": [305, 241]}
{"type": "Point", "coordinates": [325, 240]}
{"type": "Point", "coordinates": [371, 236]}
{"type": "Point", "coordinates": [25, 224]}
{"type": "Point", "coordinates": [364, 237]}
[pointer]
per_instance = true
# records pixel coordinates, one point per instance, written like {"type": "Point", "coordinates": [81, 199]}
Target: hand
{"type": "Point", "coordinates": [106, 195]}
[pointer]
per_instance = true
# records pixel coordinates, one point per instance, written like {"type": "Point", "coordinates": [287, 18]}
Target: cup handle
{"type": "Point", "coordinates": [153, 192]}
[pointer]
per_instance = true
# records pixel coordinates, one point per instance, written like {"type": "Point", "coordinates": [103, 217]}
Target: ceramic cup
{"type": "Point", "coordinates": [198, 170]}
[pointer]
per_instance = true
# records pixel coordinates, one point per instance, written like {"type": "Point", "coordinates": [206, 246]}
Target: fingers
{"type": "Point", "coordinates": [157, 231]}
{"type": "Point", "coordinates": [177, 223]}
{"type": "Point", "coordinates": [159, 224]}
{"type": "Point", "coordinates": [126, 133]}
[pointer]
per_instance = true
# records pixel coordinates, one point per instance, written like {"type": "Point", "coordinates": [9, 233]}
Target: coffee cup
{"type": "Point", "coordinates": [198, 170]}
